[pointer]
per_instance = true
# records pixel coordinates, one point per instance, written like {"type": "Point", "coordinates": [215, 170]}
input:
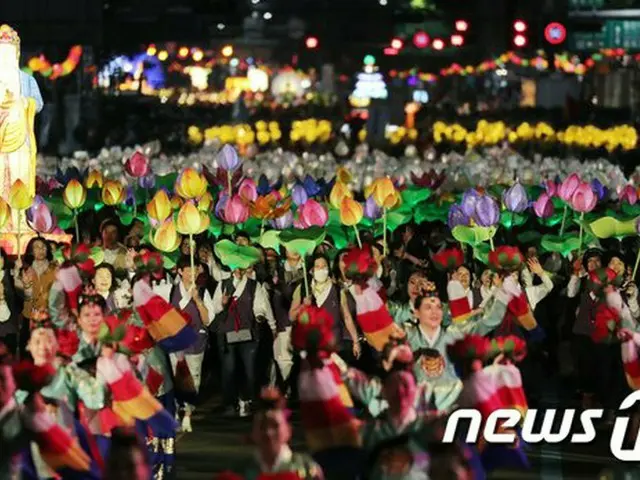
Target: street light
{"type": "Point", "coordinates": [227, 50]}
{"type": "Point", "coordinates": [462, 25]}
{"type": "Point", "coordinates": [312, 42]}
{"type": "Point", "coordinates": [397, 43]}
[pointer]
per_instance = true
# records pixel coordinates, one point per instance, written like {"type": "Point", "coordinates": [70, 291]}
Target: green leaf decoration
{"type": "Point", "coordinates": [608, 227]}
{"type": "Point", "coordinates": [430, 212]}
{"type": "Point", "coordinates": [509, 219]}
{"type": "Point", "coordinates": [562, 245]}
{"type": "Point", "coordinates": [303, 242]}
{"type": "Point", "coordinates": [630, 210]}
{"type": "Point", "coordinates": [235, 256]}
{"type": "Point", "coordinates": [270, 239]}
{"type": "Point", "coordinates": [166, 181]}
{"type": "Point", "coordinates": [65, 223]}
{"type": "Point", "coordinates": [215, 226]}
{"type": "Point", "coordinates": [473, 235]}
{"type": "Point", "coordinates": [228, 229]}
{"type": "Point", "coordinates": [97, 255]}
{"type": "Point", "coordinates": [168, 262]}
{"type": "Point", "coordinates": [334, 216]}
{"type": "Point", "coordinates": [366, 222]}
{"type": "Point", "coordinates": [126, 218]}
{"type": "Point", "coordinates": [104, 333]}
{"type": "Point", "coordinates": [481, 253]}
{"type": "Point", "coordinates": [414, 195]}
{"type": "Point", "coordinates": [252, 227]}
{"type": "Point", "coordinates": [338, 235]}
{"type": "Point", "coordinates": [559, 204]}
{"type": "Point", "coordinates": [553, 220]}
{"type": "Point", "coordinates": [118, 333]}
{"type": "Point", "coordinates": [394, 220]}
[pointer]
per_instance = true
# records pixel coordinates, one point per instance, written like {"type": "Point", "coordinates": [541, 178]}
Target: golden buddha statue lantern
{"type": "Point", "coordinates": [20, 101]}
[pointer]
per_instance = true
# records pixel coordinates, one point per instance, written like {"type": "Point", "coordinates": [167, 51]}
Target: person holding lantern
{"type": "Point", "coordinates": [197, 303]}
{"type": "Point", "coordinates": [239, 305]}
{"type": "Point", "coordinates": [69, 395]}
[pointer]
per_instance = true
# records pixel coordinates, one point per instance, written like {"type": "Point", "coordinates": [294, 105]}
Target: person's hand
{"type": "Point", "coordinates": [535, 267]}
{"type": "Point", "coordinates": [195, 294]}
{"type": "Point", "coordinates": [18, 264]}
{"type": "Point", "coordinates": [631, 290]}
{"type": "Point", "coordinates": [357, 349]}
{"type": "Point", "coordinates": [307, 301]}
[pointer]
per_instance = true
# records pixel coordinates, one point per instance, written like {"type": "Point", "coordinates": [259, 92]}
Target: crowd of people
{"type": "Point", "coordinates": [375, 344]}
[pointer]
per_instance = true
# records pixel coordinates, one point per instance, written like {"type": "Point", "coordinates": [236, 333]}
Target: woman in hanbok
{"type": "Point", "coordinates": [417, 285]}
{"type": "Point", "coordinates": [429, 340]}
{"type": "Point", "coordinates": [70, 392]}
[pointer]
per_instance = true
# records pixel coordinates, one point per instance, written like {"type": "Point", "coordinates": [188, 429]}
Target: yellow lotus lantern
{"type": "Point", "coordinates": [351, 213]}
{"type": "Point", "coordinates": [191, 184]}
{"type": "Point", "coordinates": [19, 199]}
{"type": "Point", "coordinates": [338, 193]}
{"type": "Point", "coordinates": [5, 212]}
{"type": "Point", "coordinates": [165, 238]}
{"type": "Point", "coordinates": [205, 203]}
{"type": "Point", "coordinates": [74, 195]}
{"type": "Point", "coordinates": [94, 179]}
{"type": "Point", "coordinates": [160, 208]}
{"type": "Point", "coordinates": [113, 193]}
{"type": "Point", "coordinates": [192, 221]}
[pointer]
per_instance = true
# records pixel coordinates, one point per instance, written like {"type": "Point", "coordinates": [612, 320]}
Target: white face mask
{"type": "Point", "coordinates": [321, 275]}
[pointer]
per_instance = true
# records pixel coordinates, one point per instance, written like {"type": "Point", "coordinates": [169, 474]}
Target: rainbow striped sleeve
{"type": "Point", "coordinates": [374, 318]}
{"type": "Point", "coordinates": [166, 325]}
{"type": "Point", "coordinates": [131, 400]}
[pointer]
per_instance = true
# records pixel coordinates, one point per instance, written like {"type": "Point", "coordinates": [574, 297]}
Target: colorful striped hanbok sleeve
{"type": "Point", "coordinates": [373, 318]}
{"type": "Point", "coordinates": [131, 400]}
{"type": "Point", "coordinates": [166, 325]}
{"type": "Point", "coordinates": [57, 448]}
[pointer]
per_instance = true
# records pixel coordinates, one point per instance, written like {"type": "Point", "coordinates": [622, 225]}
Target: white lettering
{"type": "Point", "coordinates": [586, 419]}
{"type": "Point", "coordinates": [475, 421]}
{"type": "Point", "coordinates": [620, 432]}
{"type": "Point", "coordinates": [545, 435]}
{"type": "Point", "coordinates": [511, 418]}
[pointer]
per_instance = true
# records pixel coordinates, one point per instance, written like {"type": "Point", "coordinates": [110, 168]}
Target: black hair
{"type": "Point", "coordinates": [185, 262]}
{"type": "Point", "coordinates": [97, 300]}
{"type": "Point", "coordinates": [47, 245]}
{"type": "Point", "coordinates": [417, 303]}
{"type": "Point", "coordinates": [110, 222]}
